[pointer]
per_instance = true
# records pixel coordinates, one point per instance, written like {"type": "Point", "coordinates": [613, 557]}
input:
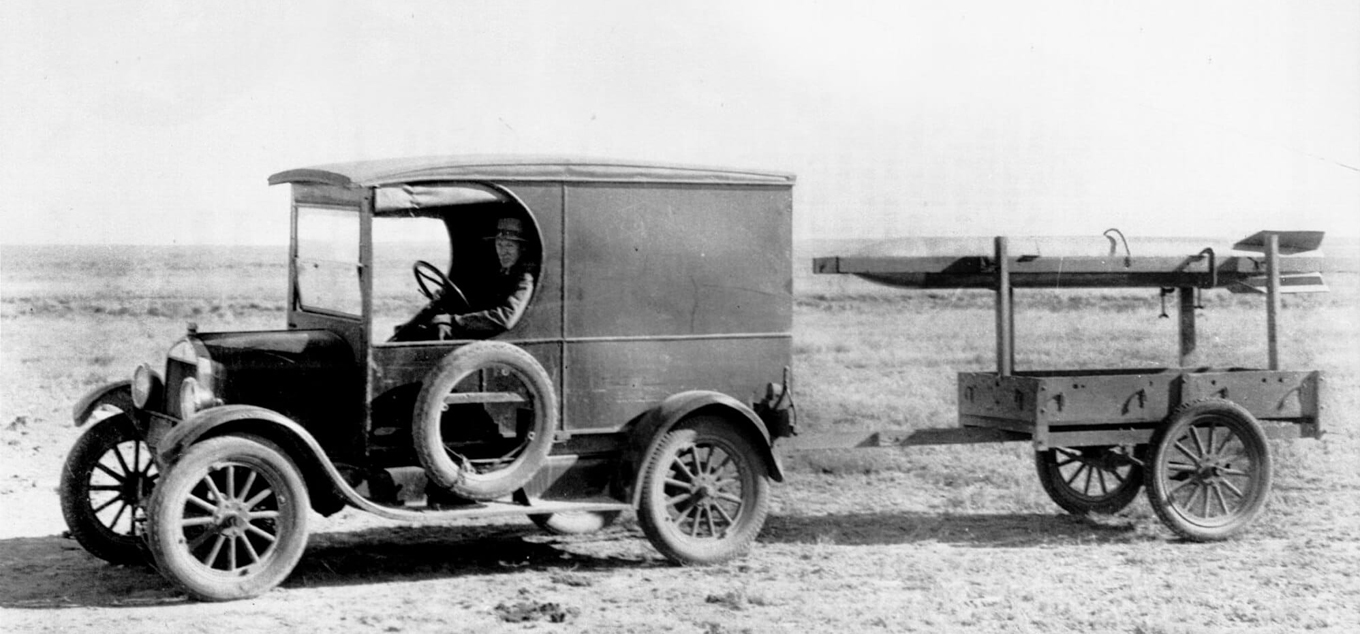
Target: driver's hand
{"type": "Point", "coordinates": [443, 326]}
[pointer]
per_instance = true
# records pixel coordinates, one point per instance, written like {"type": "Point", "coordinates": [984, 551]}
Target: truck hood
{"type": "Point", "coordinates": [278, 349]}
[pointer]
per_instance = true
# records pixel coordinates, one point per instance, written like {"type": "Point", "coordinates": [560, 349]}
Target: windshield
{"type": "Point", "coordinates": [327, 260]}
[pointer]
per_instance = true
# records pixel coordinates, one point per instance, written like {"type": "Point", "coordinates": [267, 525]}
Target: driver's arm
{"type": "Point", "coordinates": [497, 319]}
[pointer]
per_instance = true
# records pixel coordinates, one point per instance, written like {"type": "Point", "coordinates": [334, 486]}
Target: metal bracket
{"type": "Point", "coordinates": [1128, 255]}
{"type": "Point", "coordinates": [1213, 268]}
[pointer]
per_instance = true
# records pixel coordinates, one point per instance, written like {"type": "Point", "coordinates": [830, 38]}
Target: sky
{"type": "Point", "coordinates": [158, 122]}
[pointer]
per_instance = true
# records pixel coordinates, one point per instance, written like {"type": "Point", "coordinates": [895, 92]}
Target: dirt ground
{"type": "Point", "coordinates": [928, 539]}
{"type": "Point", "coordinates": [826, 561]}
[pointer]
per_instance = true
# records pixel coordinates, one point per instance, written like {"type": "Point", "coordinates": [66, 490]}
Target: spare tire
{"type": "Point", "coordinates": [453, 443]}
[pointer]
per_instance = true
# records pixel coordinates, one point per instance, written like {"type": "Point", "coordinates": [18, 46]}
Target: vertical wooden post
{"type": "Point", "coordinates": [1189, 357]}
{"type": "Point", "coordinates": [1005, 319]}
{"type": "Point", "coordinates": [1010, 327]}
{"type": "Point", "coordinates": [366, 272]}
{"type": "Point", "coordinates": [1272, 298]}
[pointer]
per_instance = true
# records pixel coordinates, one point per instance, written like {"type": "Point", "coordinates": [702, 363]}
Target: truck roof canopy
{"type": "Point", "coordinates": [382, 172]}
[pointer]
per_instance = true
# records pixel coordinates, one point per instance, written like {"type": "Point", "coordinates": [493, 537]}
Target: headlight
{"type": "Point", "coordinates": [193, 397]}
{"type": "Point", "coordinates": [146, 386]}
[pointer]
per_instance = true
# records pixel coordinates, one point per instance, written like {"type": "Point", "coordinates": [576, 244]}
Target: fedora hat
{"type": "Point", "coordinates": [508, 229]}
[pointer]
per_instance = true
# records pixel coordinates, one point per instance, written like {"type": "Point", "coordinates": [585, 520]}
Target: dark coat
{"type": "Point", "coordinates": [506, 296]}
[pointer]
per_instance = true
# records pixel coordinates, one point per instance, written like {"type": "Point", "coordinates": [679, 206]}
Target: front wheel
{"type": "Point", "coordinates": [105, 482]}
{"type": "Point", "coordinates": [1210, 470]}
{"type": "Point", "coordinates": [229, 520]}
{"type": "Point", "coordinates": [704, 493]}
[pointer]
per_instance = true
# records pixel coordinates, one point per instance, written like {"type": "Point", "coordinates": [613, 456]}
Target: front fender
{"type": "Point", "coordinates": [654, 425]}
{"type": "Point", "coordinates": [117, 395]}
{"type": "Point", "coordinates": [319, 472]}
{"type": "Point", "coordinates": [202, 424]}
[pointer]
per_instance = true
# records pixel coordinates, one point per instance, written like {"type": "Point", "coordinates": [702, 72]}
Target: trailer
{"type": "Point", "coordinates": [1194, 437]}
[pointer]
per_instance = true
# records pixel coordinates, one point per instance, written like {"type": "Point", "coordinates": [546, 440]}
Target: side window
{"type": "Point", "coordinates": [328, 260]}
{"type": "Point", "coordinates": [398, 242]}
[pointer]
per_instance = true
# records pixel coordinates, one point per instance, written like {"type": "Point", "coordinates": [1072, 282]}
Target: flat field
{"type": "Point", "coordinates": [956, 538]}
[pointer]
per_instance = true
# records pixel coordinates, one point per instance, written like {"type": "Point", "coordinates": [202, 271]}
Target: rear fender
{"type": "Point", "coordinates": [656, 423]}
{"type": "Point", "coordinates": [325, 482]}
{"type": "Point", "coordinates": [116, 395]}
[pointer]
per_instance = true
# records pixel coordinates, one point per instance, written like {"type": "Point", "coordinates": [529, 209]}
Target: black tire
{"type": "Point", "coordinates": [581, 523]}
{"type": "Point", "coordinates": [705, 492]}
{"type": "Point", "coordinates": [1210, 470]}
{"type": "Point", "coordinates": [506, 467]}
{"type": "Point", "coordinates": [1085, 480]}
{"type": "Point", "coordinates": [229, 520]}
{"type": "Point", "coordinates": [107, 478]}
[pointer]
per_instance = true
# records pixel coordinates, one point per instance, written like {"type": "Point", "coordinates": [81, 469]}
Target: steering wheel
{"type": "Point", "coordinates": [427, 274]}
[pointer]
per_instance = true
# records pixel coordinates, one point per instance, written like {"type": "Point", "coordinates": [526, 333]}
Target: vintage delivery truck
{"type": "Point", "coordinates": [466, 337]}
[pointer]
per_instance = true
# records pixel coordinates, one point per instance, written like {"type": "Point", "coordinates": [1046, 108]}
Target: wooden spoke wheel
{"type": "Point", "coordinates": [1210, 470]}
{"type": "Point", "coordinates": [229, 520]}
{"type": "Point", "coordinates": [1085, 480]}
{"type": "Point", "coordinates": [704, 493]}
{"type": "Point", "coordinates": [107, 478]}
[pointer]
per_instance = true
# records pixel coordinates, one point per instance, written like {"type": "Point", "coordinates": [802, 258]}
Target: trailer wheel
{"type": "Point", "coordinates": [581, 523]}
{"type": "Point", "coordinates": [229, 520]}
{"type": "Point", "coordinates": [1210, 470]}
{"type": "Point", "coordinates": [704, 493]}
{"type": "Point", "coordinates": [105, 482]}
{"type": "Point", "coordinates": [462, 448]}
{"type": "Point", "coordinates": [1085, 480]}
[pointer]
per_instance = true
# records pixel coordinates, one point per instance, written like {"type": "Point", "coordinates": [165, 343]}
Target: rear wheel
{"type": "Point", "coordinates": [704, 493]}
{"type": "Point", "coordinates": [105, 482]}
{"type": "Point", "coordinates": [229, 520]}
{"type": "Point", "coordinates": [1085, 480]}
{"type": "Point", "coordinates": [1210, 471]}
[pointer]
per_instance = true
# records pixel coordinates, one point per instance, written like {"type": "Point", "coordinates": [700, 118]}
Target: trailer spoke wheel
{"type": "Point", "coordinates": [1211, 470]}
{"type": "Point", "coordinates": [229, 521]}
{"type": "Point", "coordinates": [705, 494]}
{"type": "Point", "coordinates": [107, 478]}
{"type": "Point", "coordinates": [1085, 480]}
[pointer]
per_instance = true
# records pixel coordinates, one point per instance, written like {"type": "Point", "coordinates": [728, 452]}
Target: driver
{"type": "Point", "coordinates": [508, 291]}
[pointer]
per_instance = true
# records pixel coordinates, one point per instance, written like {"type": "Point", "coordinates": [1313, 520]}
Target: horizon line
{"type": "Point", "coordinates": [1221, 237]}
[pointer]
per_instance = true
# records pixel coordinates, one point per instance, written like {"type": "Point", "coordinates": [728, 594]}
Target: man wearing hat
{"type": "Point", "coordinates": [507, 293]}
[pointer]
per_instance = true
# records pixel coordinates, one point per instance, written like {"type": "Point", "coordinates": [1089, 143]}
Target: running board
{"type": "Point", "coordinates": [494, 508]}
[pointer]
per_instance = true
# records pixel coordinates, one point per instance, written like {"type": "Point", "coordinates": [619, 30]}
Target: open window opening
{"type": "Point", "coordinates": [451, 262]}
